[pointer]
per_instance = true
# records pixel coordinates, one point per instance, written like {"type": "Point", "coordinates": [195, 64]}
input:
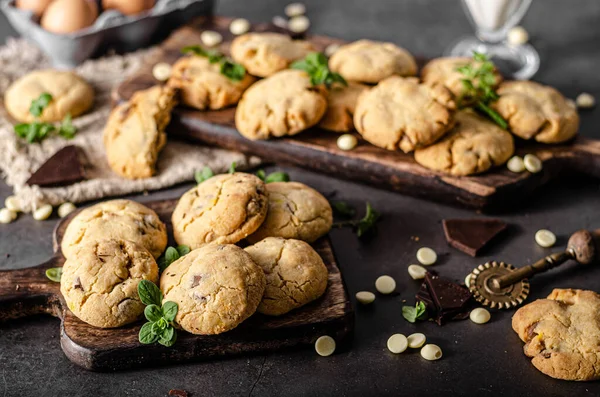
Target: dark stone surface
{"type": "Point", "coordinates": [478, 359]}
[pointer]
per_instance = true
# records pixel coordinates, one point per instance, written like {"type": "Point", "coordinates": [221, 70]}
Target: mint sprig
{"type": "Point", "coordinates": [37, 131]}
{"type": "Point", "coordinates": [161, 316]}
{"type": "Point", "coordinates": [316, 65]}
{"type": "Point", "coordinates": [38, 105]}
{"type": "Point", "coordinates": [54, 274]}
{"type": "Point", "coordinates": [364, 226]}
{"type": "Point", "coordinates": [412, 314]}
{"type": "Point", "coordinates": [277, 176]}
{"type": "Point", "coordinates": [228, 68]}
{"type": "Point", "coordinates": [204, 174]}
{"type": "Point", "coordinates": [171, 255]}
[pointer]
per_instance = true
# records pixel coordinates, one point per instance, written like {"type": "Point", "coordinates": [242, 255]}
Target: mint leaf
{"type": "Point", "coordinates": [54, 274]}
{"type": "Point", "coordinates": [232, 167]}
{"type": "Point", "coordinates": [183, 249]}
{"type": "Point", "coordinates": [412, 314]}
{"type": "Point", "coordinates": [261, 174]}
{"type": "Point", "coordinates": [38, 105]}
{"type": "Point", "coordinates": [169, 310]}
{"type": "Point", "coordinates": [168, 337]}
{"type": "Point", "coordinates": [228, 68]}
{"type": "Point", "coordinates": [203, 175]}
{"type": "Point", "coordinates": [277, 177]}
{"type": "Point", "coordinates": [66, 129]}
{"type": "Point", "coordinates": [171, 255]}
{"type": "Point", "coordinates": [146, 335]}
{"type": "Point", "coordinates": [152, 313]}
{"type": "Point", "coordinates": [233, 71]}
{"type": "Point", "coordinates": [343, 209]}
{"type": "Point", "coordinates": [316, 66]}
{"type": "Point", "coordinates": [149, 293]}
{"type": "Point", "coordinates": [367, 223]}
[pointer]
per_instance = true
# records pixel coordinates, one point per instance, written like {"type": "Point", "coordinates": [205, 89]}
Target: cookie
{"type": "Point", "coordinates": [70, 95]}
{"type": "Point", "coordinates": [203, 86]}
{"type": "Point", "coordinates": [99, 281]}
{"type": "Point", "coordinates": [216, 287]}
{"type": "Point", "coordinates": [116, 219]}
{"type": "Point", "coordinates": [536, 111]}
{"type": "Point", "coordinates": [295, 274]}
{"type": "Point", "coordinates": [369, 61]}
{"type": "Point", "coordinates": [400, 113]}
{"type": "Point", "coordinates": [562, 334]}
{"type": "Point", "coordinates": [264, 54]}
{"type": "Point", "coordinates": [341, 102]}
{"type": "Point", "coordinates": [135, 132]}
{"type": "Point", "coordinates": [295, 211]}
{"type": "Point", "coordinates": [223, 209]}
{"type": "Point", "coordinates": [444, 71]}
{"type": "Point", "coordinates": [283, 104]}
{"type": "Point", "coordinates": [473, 146]}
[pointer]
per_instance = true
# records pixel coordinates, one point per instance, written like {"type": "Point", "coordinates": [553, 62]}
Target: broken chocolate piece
{"type": "Point", "coordinates": [178, 393]}
{"type": "Point", "coordinates": [445, 300]}
{"type": "Point", "coordinates": [472, 235]}
{"type": "Point", "coordinates": [63, 168]}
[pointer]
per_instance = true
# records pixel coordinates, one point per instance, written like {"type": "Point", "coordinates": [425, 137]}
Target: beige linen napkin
{"type": "Point", "coordinates": [18, 160]}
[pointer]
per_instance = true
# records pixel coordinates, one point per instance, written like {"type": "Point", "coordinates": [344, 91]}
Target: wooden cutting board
{"type": "Point", "coordinates": [316, 149]}
{"type": "Point", "coordinates": [28, 292]}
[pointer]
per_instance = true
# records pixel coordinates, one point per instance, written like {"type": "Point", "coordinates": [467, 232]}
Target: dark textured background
{"type": "Point", "coordinates": [478, 359]}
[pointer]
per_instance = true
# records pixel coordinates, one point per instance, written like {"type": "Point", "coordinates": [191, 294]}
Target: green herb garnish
{"type": "Point", "coordinates": [277, 176]}
{"type": "Point", "coordinates": [37, 131]}
{"type": "Point", "coordinates": [171, 255]}
{"type": "Point", "coordinates": [343, 209]}
{"type": "Point", "coordinates": [232, 70]}
{"type": "Point", "coordinates": [38, 105]}
{"type": "Point", "coordinates": [479, 89]}
{"type": "Point", "coordinates": [315, 64]}
{"type": "Point", "coordinates": [365, 225]}
{"type": "Point", "coordinates": [54, 273]}
{"type": "Point", "coordinates": [160, 316]}
{"type": "Point", "coordinates": [412, 314]}
{"type": "Point", "coordinates": [203, 175]}
{"type": "Point", "coordinates": [232, 168]}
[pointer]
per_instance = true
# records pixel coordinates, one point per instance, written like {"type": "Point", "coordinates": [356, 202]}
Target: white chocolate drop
{"type": "Point", "coordinates": [385, 285]}
{"type": "Point", "coordinates": [532, 163]}
{"type": "Point", "coordinates": [43, 212]}
{"type": "Point", "coordinates": [517, 36]}
{"type": "Point", "coordinates": [397, 343]}
{"type": "Point", "coordinates": [331, 49]}
{"type": "Point", "coordinates": [585, 101]}
{"type": "Point", "coordinates": [7, 216]}
{"type": "Point", "coordinates": [161, 71]}
{"type": "Point", "coordinates": [416, 340]}
{"type": "Point", "coordinates": [299, 24]}
{"type": "Point", "coordinates": [515, 164]}
{"type": "Point", "coordinates": [426, 256]}
{"type": "Point", "coordinates": [210, 38]}
{"type": "Point", "coordinates": [325, 346]}
{"type": "Point", "coordinates": [480, 315]}
{"type": "Point", "coordinates": [12, 203]}
{"type": "Point", "coordinates": [417, 272]}
{"type": "Point", "coordinates": [347, 142]}
{"type": "Point", "coordinates": [431, 352]}
{"type": "Point", "coordinates": [295, 9]}
{"type": "Point", "coordinates": [239, 26]}
{"type": "Point", "coordinates": [65, 209]}
{"type": "Point", "coordinates": [365, 297]}
{"type": "Point", "coordinates": [545, 238]}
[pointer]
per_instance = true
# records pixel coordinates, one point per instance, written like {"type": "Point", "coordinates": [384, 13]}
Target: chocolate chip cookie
{"type": "Point", "coordinates": [116, 219]}
{"type": "Point", "coordinates": [216, 287]}
{"type": "Point", "coordinates": [223, 209]}
{"type": "Point", "coordinates": [341, 103]}
{"type": "Point", "coordinates": [295, 274]}
{"type": "Point", "coordinates": [203, 86]}
{"type": "Point", "coordinates": [295, 211]}
{"type": "Point", "coordinates": [283, 104]}
{"type": "Point", "coordinates": [264, 54]}
{"type": "Point", "coordinates": [135, 132]}
{"type": "Point", "coordinates": [400, 113]}
{"type": "Point", "coordinates": [99, 281]}
{"type": "Point", "coordinates": [562, 334]}
{"type": "Point", "coordinates": [368, 61]}
{"type": "Point", "coordinates": [444, 71]}
{"type": "Point", "coordinates": [474, 145]}
{"type": "Point", "coordinates": [536, 111]}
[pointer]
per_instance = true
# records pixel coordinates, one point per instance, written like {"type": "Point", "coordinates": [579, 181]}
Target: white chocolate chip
{"type": "Point", "coordinates": [280, 22]}
{"type": "Point", "coordinates": [545, 238]}
{"type": "Point", "coordinates": [298, 24]}
{"type": "Point", "coordinates": [162, 71]}
{"type": "Point", "coordinates": [65, 209]}
{"type": "Point", "coordinates": [431, 352]}
{"type": "Point", "coordinates": [426, 256]}
{"type": "Point", "coordinates": [516, 164]}
{"type": "Point", "coordinates": [7, 216]}
{"type": "Point", "coordinates": [365, 297]}
{"type": "Point", "coordinates": [417, 272]}
{"type": "Point", "coordinates": [416, 340]}
{"type": "Point", "coordinates": [210, 38]}
{"type": "Point", "coordinates": [532, 163]}
{"type": "Point", "coordinates": [347, 142]}
{"type": "Point", "coordinates": [239, 26]}
{"type": "Point", "coordinates": [12, 203]}
{"type": "Point", "coordinates": [468, 280]}
{"type": "Point", "coordinates": [325, 346]}
{"type": "Point", "coordinates": [585, 101]}
{"type": "Point", "coordinates": [331, 49]}
{"type": "Point", "coordinates": [42, 213]}
{"type": "Point", "coordinates": [518, 36]}
{"type": "Point", "coordinates": [480, 315]}
{"type": "Point", "coordinates": [295, 9]}
{"type": "Point", "coordinates": [385, 285]}
{"type": "Point", "coordinates": [397, 343]}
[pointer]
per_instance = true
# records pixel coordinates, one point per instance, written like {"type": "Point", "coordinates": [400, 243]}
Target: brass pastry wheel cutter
{"type": "Point", "coordinates": [500, 285]}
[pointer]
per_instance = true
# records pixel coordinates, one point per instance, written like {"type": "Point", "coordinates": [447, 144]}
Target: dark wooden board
{"type": "Point", "coordinates": [27, 292]}
{"type": "Point", "coordinates": [316, 149]}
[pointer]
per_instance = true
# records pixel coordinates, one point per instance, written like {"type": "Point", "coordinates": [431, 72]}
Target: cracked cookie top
{"type": "Point", "coordinates": [536, 111]}
{"type": "Point", "coordinates": [474, 145]}
{"type": "Point", "coordinates": [400, 113]}
{"type": "Point", "coordinates": [116, 219]}
{"type": "Point", "coordinates": [295, 211]}
{"type": "Point", "coordinates": [223, 209]}
{"type": "Point", "coordinates": [203, 86]}
{"type": "Point", "coordinates": [295, 274]}
{"type": "Point", "coordinates": [264, 54]}
{"type": "Point", "coordinates": [70, 95]}
{"type": "Point", "coordinates": [216, 287]}
{"type": "Point", "coordinates": [99, 281]}
{"type": "Point", "coordinates": [341, 103]}
{"type": "Point", "coordinates": [562, 334]}
{"type": "Point", "coordinates": [283, 104]}
{"type": "Point", "coordinates": [368, 61]}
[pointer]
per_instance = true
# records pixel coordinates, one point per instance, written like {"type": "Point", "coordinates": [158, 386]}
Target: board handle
{"type": "Point", "coordinates": [584, 156]}
{"type": "Point", "coordinates": [26, 292]}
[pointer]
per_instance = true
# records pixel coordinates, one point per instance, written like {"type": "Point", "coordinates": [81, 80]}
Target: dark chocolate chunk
{"type": "Point", "coordinates": [178, 393]}
{"type": "Point", "coordinates": [63, 168]}
{"type": "Point", "coordinates": [472, 235]}
{"type": "Point", "coordinates": [445, 300]}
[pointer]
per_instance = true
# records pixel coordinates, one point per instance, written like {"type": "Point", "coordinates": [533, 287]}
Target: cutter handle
{"type": "Point", "coordinates": [585, 246]}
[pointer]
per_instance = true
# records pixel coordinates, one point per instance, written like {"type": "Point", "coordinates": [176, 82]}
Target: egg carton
{"type": "Point", "coordinates": [110, 30]}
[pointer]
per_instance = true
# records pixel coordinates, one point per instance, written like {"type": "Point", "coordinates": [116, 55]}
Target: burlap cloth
{"type": "Point", "coordinates": [18, 159]}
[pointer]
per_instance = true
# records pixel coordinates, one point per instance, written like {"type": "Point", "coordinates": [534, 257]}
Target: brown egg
{"type": "Point", "coordinates": [67, 16]}
{"type": "Point", "coordinates": [37, 6]}
{"type": "Point", "coordinates": [128, 7]}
